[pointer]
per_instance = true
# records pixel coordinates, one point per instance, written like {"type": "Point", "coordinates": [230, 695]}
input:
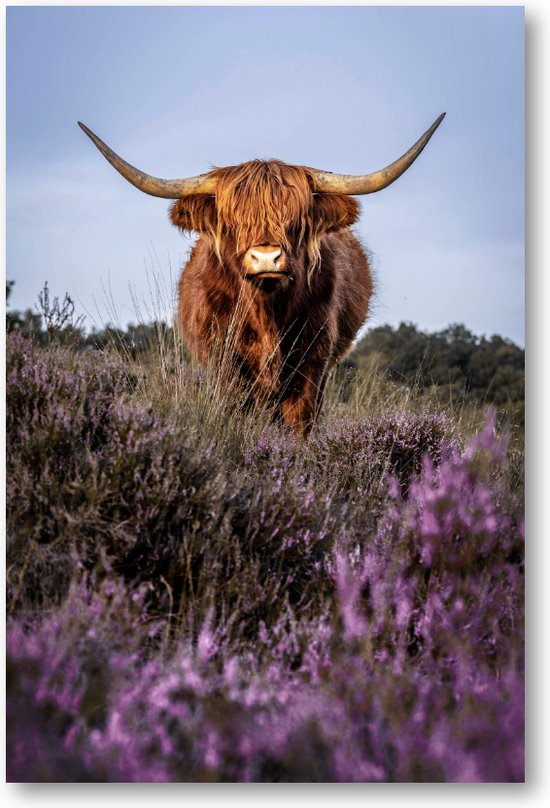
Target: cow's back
{"type": "Point", "coordinates": [353, 286]}
{"type": "Point", "coordinates": [206, 300]}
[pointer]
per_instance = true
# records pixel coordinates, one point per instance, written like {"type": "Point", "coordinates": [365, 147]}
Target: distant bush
{"type": "Point", "coordinates": [454, 363]}
{"type": "Point", "coordinates": [195, 594]}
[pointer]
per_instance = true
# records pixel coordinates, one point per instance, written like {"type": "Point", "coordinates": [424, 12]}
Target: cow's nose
{"type": "Point", "coordinates": [264, 260]}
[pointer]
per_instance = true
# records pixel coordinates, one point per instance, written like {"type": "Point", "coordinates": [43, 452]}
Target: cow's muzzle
{"type": "Point", "coordinates": [265, 262]}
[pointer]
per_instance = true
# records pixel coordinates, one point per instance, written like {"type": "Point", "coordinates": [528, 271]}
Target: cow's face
{"type": "Point", "coordinates": [265, 216]}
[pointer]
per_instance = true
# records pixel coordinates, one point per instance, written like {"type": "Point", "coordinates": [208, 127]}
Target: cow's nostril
{"type": "Point", "coordinates": [267, 258]}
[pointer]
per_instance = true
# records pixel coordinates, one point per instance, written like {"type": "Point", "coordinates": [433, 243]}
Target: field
{"type": "Point", "coordinates": [195, 594]}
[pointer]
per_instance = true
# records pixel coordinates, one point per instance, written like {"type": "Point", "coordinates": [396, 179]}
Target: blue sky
{"type": "Point", "coordinates": [176, 90]}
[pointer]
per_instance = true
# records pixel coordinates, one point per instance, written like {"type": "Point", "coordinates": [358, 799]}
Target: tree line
{"type": "Point", "coordinates": [55, 320]}
{"type": "Point", "coordinates": [468, 368]}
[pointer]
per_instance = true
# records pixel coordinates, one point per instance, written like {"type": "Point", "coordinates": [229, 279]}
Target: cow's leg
{"type": "Point", "coordinates": [300, 404]}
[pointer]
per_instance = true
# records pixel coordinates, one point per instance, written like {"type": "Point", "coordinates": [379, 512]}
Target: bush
{"type": "Point", "coordinates": [197, 595]}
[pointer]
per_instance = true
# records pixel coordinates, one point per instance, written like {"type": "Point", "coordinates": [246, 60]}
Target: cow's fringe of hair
{"type": "Point", "coordinates": [273, 199]}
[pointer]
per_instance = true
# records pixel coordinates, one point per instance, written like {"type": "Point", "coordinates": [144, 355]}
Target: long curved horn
{"type": "Point", "coordinates": [168, 189]}
{"type": "Point", "coordinates": [369, 183]}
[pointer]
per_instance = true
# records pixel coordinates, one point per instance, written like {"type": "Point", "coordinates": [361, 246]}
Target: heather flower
{"type": "Point", "coordinates": [189, 605]}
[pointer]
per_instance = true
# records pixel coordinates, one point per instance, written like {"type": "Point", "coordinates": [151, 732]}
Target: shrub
{"type": "Point", "coordinates": [197, 595]}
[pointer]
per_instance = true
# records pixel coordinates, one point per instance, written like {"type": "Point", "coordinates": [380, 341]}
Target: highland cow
{"type": "Point", "coordinates": [276, 270]}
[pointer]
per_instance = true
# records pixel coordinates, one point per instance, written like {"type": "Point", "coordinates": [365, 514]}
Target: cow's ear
{"type": "Point", "coordinates": [195, 214]}
{"type": "Point", "coordinates": [334, 211]}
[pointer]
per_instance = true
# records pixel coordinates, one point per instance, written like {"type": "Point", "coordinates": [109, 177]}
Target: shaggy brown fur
{"type": "Point", "coordinates": [286, 332]}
